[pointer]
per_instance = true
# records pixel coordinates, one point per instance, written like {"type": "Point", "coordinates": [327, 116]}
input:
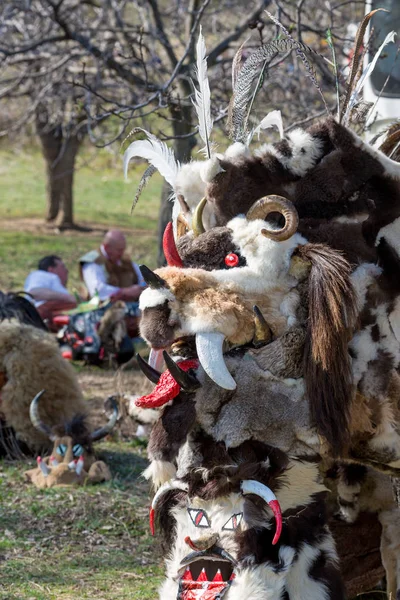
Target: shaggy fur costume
{"type": "Point", "coordinates": [30, 361]}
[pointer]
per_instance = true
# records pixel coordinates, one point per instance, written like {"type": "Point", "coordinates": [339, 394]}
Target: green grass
{"type": "Point", "coordinates": [102, 201]}
{"type": "Point", "coordinates": [90, 542]}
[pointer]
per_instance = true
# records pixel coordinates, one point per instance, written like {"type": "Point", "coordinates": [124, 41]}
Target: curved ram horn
{"type": "Point", "coordinates": [262, 333]}
{"type": "Point", "coordinates": [152, 374]}
{"type": "Point", "coordinates": [187, 381]}
{"type": "Point", "coordinates": [103, 431]}
{"type": "Point", "coordinates": [169, 485]}
{"type": "Point", "coordinates": [263, 207]}
{"type": "Point", "coordinates": [251, 486]}
{"type": "Point", "coordinates": [153, 280]}
{"type": "Point", "coordinates": [169, 247]}
{"type": "Point", "coordinates": [197, 220]}
{"type": "Point", "coordinates": [35, 418]}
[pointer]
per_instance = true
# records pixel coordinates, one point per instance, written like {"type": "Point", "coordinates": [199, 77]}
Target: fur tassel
{"type": "Point", "coordinates": [157, 153]}
{"type": "Point", "coordinates": [202, 102]}
{"type": "Point", "coordinates": [327, 363]}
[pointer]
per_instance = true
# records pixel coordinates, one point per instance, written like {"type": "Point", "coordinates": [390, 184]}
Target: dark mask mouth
{"type": "Point", "coordinates": [205, 577]}
{"type": "Point", "coordinates": [208, 567]}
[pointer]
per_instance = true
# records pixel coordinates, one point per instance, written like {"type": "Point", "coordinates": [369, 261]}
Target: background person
{"type": "Point", "coordinates": [47, 286]}
{"type": "Point", "coordinates": [110, 272]}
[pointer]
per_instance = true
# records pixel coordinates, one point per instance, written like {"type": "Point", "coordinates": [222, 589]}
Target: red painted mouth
{"type": "Point", "coordinates": [205, 579]}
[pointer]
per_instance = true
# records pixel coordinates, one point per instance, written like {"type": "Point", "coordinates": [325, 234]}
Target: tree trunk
{"type": "Point", "coordinates": [182, 125]}
{"type": "Point", "coordinates": [60, 155]}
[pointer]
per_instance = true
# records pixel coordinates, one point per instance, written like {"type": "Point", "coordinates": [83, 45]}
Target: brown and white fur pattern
{"type": "Point", "coordinates": [364, 490]}
{"type": "Point", "coordinates": [303, 565]}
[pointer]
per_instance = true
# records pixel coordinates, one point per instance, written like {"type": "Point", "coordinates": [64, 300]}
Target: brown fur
{"type": "Point", "coordinates": [32, 361]}
{"type": "Point", "coordinates": [327, 367]}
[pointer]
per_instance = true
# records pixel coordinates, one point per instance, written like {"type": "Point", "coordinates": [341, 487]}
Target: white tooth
{"type": "Point", "coordinates": [156, 360]}
{"type": "Point", "coordinates": [209, 351]}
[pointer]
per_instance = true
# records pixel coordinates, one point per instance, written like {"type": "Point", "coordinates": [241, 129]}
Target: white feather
{"type": "Point", "coordinates": [157, 153]}
{"type": "Point", "coordinates": [202, 101]}
{"type": "Point", "coordinates": [368, 70]}
{"type": "Point", "coordinates": [272, 119]}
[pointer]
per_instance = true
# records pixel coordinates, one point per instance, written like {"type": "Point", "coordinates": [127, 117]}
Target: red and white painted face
{"type": "Point", "coordinates": [205, 551]}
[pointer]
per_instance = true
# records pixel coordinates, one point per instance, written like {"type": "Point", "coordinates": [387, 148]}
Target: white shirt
{"type": "Point", "coordinates": [44, 279]}
{"type": "Point", "coordinates": [95, 278]}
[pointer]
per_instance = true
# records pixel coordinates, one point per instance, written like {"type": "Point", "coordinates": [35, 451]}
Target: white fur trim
{"type": "Point", "coordinates": [150, 298]}
{"type": "Point", "coordinates": [159, 472]}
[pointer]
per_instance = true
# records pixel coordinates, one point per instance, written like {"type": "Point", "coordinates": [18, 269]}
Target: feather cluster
{"type": "Point", "coordinates": [157, 153]}
{"type": "Point", "coordinates": [202, 101]}
{"type": "Point", "coordinates": [238, 107]}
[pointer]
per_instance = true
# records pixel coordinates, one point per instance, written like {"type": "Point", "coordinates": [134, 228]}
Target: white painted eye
{"type": "Point", "coordinates": [199, 517]}
{"type": "Point", "coordinates": [77, 450]}
{"type": "Point", "coordinates": [61, 449]}
{"type": "Point", "coordinates": [233, 522]}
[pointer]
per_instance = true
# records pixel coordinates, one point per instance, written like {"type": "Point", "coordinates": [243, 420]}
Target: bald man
{"type": "Point", "coordinates": [110, 272]}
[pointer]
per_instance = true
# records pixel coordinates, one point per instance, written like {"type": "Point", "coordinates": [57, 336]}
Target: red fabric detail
{"type": "Point", "coordinates": [169, 247]}
{"type": "Point", "coordinates": [61, 320]}
{"type": "Point", "coordinates": [194, 590]}
{"type": "Point", "coordinates": [274, 504]}
{"type": "Point", "coordinates": [166, 389]}
{"type": "Point", "coordinates": [231, 260]}
{"type": "Point", "coordinates": [151, 519]}
{"type": "Point", "coordinates": [67, 354]}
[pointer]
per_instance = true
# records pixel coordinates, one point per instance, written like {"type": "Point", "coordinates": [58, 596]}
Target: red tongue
{"type": "Point", "coordinates": [167, 388]}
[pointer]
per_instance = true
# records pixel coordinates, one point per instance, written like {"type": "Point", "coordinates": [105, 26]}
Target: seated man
{"type": "Point", "coordinates": [47, 287]}
{"type": "Point", "coordinates": [111, 274]}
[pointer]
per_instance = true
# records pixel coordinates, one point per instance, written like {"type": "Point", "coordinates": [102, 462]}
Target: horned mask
{"type": "Point", "coordinates": [72, 461]}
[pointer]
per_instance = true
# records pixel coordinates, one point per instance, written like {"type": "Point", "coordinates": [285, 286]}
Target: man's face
{"type": "Point", "coordinates": [115, 250]}
{"type": "Point", "coordinates": [61, 270]}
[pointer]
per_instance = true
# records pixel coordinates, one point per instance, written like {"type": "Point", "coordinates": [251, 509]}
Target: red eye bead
{"type": "Point", "coordinates": [231, 260]}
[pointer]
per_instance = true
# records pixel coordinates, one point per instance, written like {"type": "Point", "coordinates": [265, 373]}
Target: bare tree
{"type": "Point", "coordinates": [71, 65]}
{"type": "Point", "coordinates": [93, 67]}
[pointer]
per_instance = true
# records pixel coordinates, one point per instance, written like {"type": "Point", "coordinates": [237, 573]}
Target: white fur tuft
{"type": "Point", "coordinates": [159, 472]}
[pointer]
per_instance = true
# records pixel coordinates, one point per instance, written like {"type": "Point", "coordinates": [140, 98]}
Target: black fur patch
{"type": "Point", "coordinates": [17, 306]}
{"type": "Point", "coordinates": [208, 250]}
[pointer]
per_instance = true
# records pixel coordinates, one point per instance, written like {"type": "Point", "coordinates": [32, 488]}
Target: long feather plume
{"type": "Point", "coordinates": [202, 101]}
{"type": "Point", "coordinates": [311, 72]}
{"type": "Point", "coordinates": [157, 153]}
{"type": "Point", "coordinates": [356, 58]}
{"type": "Point", "coordinates": [238, 106]}
{"type": "Point", "coordinates": [237, 63]}
{"type": "Point", "coordinates": [144, 180]}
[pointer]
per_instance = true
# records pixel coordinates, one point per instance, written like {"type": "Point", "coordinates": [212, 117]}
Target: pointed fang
{"type": "Point", "coordinates": [187, 576]}
{"type": "Point", "coordinates": [202, 576]}
{"type": "Point", "coordinates": [42, 466]}
{"type": "Point", "coordinates": [218, 576]}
